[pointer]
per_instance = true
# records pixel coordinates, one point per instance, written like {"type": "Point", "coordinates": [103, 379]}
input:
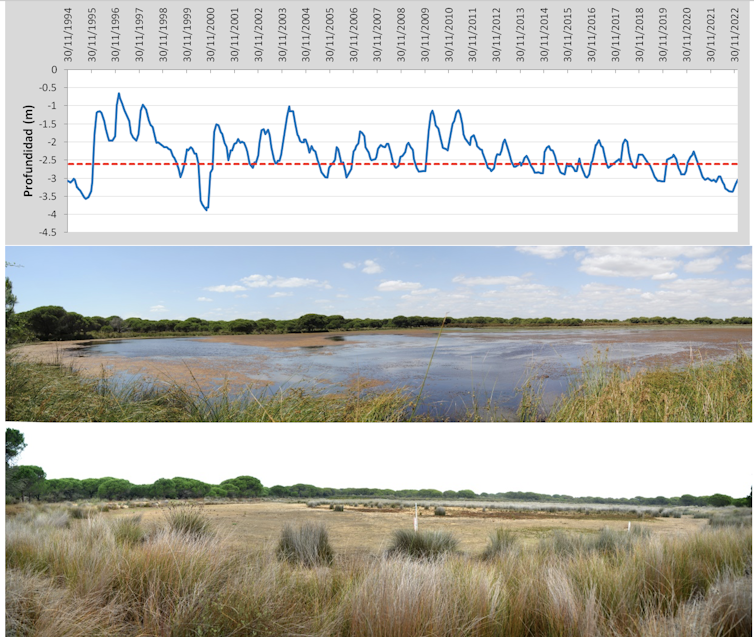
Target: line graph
{"type": "Point", "coordinates": [595, 142]}
{"type": "Point", "coordinates": [585, 168]}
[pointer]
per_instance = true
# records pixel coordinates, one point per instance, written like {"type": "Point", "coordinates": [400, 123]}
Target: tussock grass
{"type": "Point", "coordinates": [128, 530]}
{"type": "Point", "coordinates": [78, 581]}
{"type": "Point", "coordinates": [188, 520]}
{"type": "Point", "coordinates": [502, 541]}
{"type": "Point", "coordinates": [601, 391]}
{"type": "Point", "coordinates": [307, 545]}
{"type": "Point", "coordinates": [38, 392]}
{"type": "Point", "coordinates": [79, 512]}
{"type": "Point", "coordinates": [735, 517]}
{"type": "Point", "coordinates": [422, 544]}
{"type": "Point", "coordinates": [607, 542]}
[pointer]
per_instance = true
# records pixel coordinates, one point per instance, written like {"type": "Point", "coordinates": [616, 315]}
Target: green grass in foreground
{"type": "Point", "coordinates": [55, 393]}
{"type": "Point", "coordinates": [600, 391]}
{"type": "Point", "coordinates": [85, 577]}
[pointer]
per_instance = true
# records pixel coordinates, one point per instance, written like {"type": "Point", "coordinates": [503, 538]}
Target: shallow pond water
{"type": "Point", "coordinates": [467, 365]}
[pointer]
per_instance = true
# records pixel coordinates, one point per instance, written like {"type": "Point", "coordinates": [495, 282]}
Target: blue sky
{"type": "Point", "coordinates": [377, 282]}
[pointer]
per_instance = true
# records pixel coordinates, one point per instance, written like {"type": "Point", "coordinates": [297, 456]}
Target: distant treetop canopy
{"type": "Point", "coordinates": [52, 322]}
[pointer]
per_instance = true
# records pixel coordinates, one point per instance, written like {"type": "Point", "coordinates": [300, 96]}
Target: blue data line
{"type": "Point", "coordinates": [325, 168]}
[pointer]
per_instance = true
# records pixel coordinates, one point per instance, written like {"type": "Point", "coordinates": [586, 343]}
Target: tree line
{"type": "Point", "coordinates": [30, 482]}
{"type": "Point", "coordinates": [53, 322]}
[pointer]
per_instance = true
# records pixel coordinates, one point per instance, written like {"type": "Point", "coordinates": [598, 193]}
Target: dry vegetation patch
{"type": "Point", "coordinates": [84, 577]}
{"type": "Point", "coordinates": [360, 530]}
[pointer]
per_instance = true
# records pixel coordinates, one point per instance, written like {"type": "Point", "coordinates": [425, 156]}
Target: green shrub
{"type": "Point", "coordinates": [422, 544]}
{"type": "Point", "coordinates": [307, 545]}
{"type": "Point", "coordinates": [337, 507]}
{"type": "Point", "coordinates": [440, 511]}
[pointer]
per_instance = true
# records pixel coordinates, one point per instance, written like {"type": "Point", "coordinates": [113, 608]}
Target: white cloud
{"type": "Point", "coordinates": [225, 288]}
{"type": "Point", "coordinates": [706, 296]}
{"type": "Point", "coordinates": [205, 299]}
{"type": "Point", "coordinates": [158, 308]}
{"type": "Point", "coordinates": [341, 296]}
{"type": "Point", "coordinates": [269, 281]}
{"type": "Point", "coordinates": [657, 262]}
{"type": "Point", "coordinates": [702, 266]}
{"type": "Point", "coordinates": [546, 252]}
{"type": "Point", "coordinates": [633, 266]}
{"type": "Point", "coordinates": [487, 280]}
{"type": "Point", "coordinates": [394, 286]}
{"type": "Point", "coordinates": [744, 262]}
{"type": "Point", "coordinates": [665, 276]}
{"type": "Point", "coordinates": [277, 295]}
{"type": "Point", "coordinates": [668, 252]}
{"type": "Point", "coordinates": [423, 292]}
{"type": "Point", "coordinates": [372, 298]}
{"type": "Point", "coordinates": [372, 267]}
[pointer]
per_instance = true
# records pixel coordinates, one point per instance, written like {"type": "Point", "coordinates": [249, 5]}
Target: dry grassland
{"type": "Point", "coordinates": [359, 530]}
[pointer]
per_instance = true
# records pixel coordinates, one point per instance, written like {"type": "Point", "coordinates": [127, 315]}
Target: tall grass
{"type": "Point", "coordinates": [37, 392]}
{"type": "Point", "coordinates": [307, 545]}
{"type": "Point", "coordinates": [422, 544]}
{"type": "Point", "coordinates": [78, 580]}
{"type": "Point", "coordinates": [501, 542]}
{"type": "Point", "coordinates": [599, 391]}
{"type": "Point", "coordinates": [734, 517]}
{"type": "Point", "coordinates": [128, 530]}
{"type": "Point", "coordinates": [188, 520]}
{"type": "Point", "coordinates": [602, 391]}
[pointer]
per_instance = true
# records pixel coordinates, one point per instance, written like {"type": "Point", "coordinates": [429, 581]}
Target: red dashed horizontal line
{"type": "Point", "coordinates": [377, 163]}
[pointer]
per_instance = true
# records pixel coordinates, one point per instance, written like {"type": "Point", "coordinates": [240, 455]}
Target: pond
{"type": "Point", "coordinates": [467, 364]}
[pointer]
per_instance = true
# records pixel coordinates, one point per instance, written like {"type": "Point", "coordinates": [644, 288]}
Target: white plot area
{"type": "Point", "coordinates": [379, 154]}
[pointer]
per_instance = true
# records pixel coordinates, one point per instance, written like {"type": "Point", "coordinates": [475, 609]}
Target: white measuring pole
{"type": "Point", "coordinates": [416, 517]}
